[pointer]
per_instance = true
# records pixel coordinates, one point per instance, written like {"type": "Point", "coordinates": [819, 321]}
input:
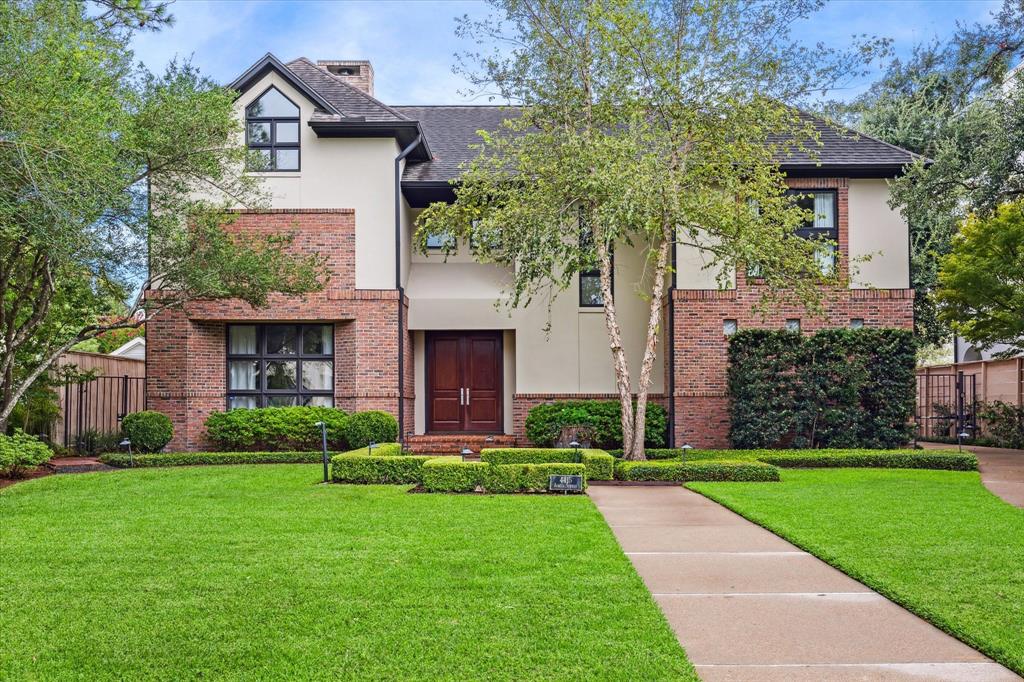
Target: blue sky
{"type": "Point", "coordinates": [412, 43]}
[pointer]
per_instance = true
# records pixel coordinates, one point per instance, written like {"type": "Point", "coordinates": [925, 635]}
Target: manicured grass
{"type": "Point", "coordinates": [256, 572]}
{"type": "Point", "coordinates": [936, 542]}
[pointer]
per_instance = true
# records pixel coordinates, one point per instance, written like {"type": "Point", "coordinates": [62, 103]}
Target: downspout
{"type": "Point", "coordinates": [671, 348]}
{"type": "Point", "coordinates": [398, 283]}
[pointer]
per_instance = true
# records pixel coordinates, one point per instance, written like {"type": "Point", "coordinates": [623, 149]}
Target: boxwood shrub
{"type": "Point", "coordinates": [707, 470]}
{"type": "Point", "coordinates": [458, 476]}
{"type": "Point", "coordinates": [277, 428]}
{"type": "Point", "coordinates": [452, 475]}
{"type": "Point", "coordinates": [20, 451]}
{"type": "Point", "coordinates": [360, 468]}
{"type": "Point", "coordinates": [599, 464]}
{"type": "Point", "coordinates": [174, 459]}
{"type": "Point", "coordinates": [654, 453]}
{"type": "Point", "coordinates": [148, 431]}
{"type": "Point", "coordinates": [952, 461]}
{"type": "Point", "coordinates": [545, 421]}
{"type": "Point", "coordinates": [374, 426]}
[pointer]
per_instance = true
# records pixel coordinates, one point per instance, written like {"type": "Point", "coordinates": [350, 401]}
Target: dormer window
{"type": "Point", "coordinates": [272, 132]}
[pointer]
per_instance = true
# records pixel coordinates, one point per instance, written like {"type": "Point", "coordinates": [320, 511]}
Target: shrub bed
{"type": "Point", "coordinates": [456, 476]}
{"type": "Point", "coordinates": [21, 451]}
{"type": "Point", "coordinates": [683, 472]}
{"type": "Point", "coordinates": [544, 422]}
{"type": "Point", "coordinates": [599, 464]}
{"type": "Point", "coordinates": [952, 461]}
{"type": "Point", "coordinates": [277, 428]}
{"type": "Point", "coordinates": [175, 459]}
{"type": "Point", "coordinates": [362, 428]}
{"type": "Point", "coordinates": [386, 465]}
{"type": "Point", "coordinates": [654, 453]}
{"type": "Point", "coordinates": [148, 431]}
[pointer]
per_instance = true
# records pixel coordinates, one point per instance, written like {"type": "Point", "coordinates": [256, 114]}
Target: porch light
{"type": "Point", "coordinates": [323, 441]}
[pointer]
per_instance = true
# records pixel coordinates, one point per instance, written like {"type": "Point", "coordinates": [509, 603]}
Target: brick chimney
{"type": "Point", "coordinates": [355, 72]}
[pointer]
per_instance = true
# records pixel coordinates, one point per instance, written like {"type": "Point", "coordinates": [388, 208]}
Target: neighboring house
{"type": "Point", "coordinates": [419, 335]}
{"type": "Point", "coordinates": [134, 349]}
{"type": "Point", "coordinates": [967, 352]}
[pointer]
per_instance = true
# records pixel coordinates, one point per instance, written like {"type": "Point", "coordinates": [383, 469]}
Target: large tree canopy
{"type": "Point", "coordinates": [103, 170]}
{"type": "Point", "coordinates": [643, 124]}
{"type": "Point", "coordinates": [956, 103]}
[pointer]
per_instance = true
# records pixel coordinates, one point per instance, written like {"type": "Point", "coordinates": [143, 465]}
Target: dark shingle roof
{"type": "Point", "coordinates": [451, 129]}
{"type": "Point", "coordinates": [347, 99]}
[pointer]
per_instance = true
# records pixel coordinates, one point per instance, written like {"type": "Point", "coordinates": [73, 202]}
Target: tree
{"type": "Point", "coordinates": [981, 281]}
{"type": "Point", "coordinates": [643, 125]}
{"type": "Point", "coordinates": [956, 104]}
{"type": "Point", "coordinates": [103, 164]}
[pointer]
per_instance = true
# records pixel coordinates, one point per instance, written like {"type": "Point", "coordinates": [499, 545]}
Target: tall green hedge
{"type": "Point", "coordinates": [545, 421]}
{"type": "Point", "coordinates": [839, 388]}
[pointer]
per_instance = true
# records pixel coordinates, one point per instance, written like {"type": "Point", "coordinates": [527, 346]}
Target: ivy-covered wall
{"type": "Point", "coordinates": [839, 388]}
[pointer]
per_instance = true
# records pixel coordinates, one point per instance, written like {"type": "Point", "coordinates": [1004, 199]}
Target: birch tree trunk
{"type": "Point", "coordinates": [619, 361]}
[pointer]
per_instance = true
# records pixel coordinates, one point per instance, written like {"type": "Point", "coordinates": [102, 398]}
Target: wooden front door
{"type": "Point", "coordinates": [464, 382]}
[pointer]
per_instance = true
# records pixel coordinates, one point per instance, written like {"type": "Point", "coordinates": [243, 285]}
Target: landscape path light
{"type": "Point", "coordinates": [323, 441]}
{"type": "Point", "coordinates": [128, 444]}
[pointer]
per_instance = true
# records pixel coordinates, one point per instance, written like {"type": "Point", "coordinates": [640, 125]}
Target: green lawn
{"type": "Point", "coordinates": [935, 541]}
{"type": "Point", "coordinates": [256, 572]}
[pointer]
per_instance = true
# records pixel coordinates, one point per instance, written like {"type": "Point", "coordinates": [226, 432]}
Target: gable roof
{"type": "Point", "coordinates": [447, 132]}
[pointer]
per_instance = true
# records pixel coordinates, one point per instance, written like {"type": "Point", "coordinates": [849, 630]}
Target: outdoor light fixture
{"type": "Point", "coordinates": [371, 447]}
{"type": "Point", "coordinates": [960, 438]}
{"type": "Point", "coordinates": [686, 449]}
{"type": "Point", "coordinates": [466, 451]}
{"type": "Point", "coordinates": [128, 444]}
{"type": "Point", "coordinates": [575, 445]}
{"type": "Point", "coordinates": [323, 440]}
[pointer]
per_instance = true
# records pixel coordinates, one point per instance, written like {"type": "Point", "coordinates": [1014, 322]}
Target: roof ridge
{"type": "Point", "coordinates": [341, 81]}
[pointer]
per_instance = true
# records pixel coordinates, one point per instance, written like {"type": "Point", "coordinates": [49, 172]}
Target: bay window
{"type": "Point", "coordinates": [280, 365]}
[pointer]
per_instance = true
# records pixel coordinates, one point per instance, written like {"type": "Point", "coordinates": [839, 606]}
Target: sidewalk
{"type": "Point", "coordinates": [1002, 470]}
{"type": "Point", "coordinates": [747, 605]}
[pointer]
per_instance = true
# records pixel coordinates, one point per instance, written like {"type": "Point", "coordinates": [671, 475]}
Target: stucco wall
{"type": "Point", "coordinates": [572, 356]}
{"type": "Point", "coordinates": [878, 232]}
{"type": "Point", "coordinates": [340, 173]}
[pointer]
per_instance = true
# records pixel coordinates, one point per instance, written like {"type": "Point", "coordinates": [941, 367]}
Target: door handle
{"type": "Point", "coordinates": [462, 398]}
{"type": "Point", "coordinates": [467, 396]}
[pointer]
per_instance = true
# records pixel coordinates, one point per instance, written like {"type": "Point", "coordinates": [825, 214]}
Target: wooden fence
{"type": "Point", "coordinates": [948, 395]}
{"type": "Point", "coordinates": [99, 404]}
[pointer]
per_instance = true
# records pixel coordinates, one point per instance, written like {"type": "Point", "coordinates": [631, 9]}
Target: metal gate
{"type": "Point", "coordinates": [946, 406]}
{"type": "Point", "coordinates": [98, 405]}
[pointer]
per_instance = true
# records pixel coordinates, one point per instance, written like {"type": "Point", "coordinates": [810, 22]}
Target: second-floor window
{"type": "Point", "coordinates": [272, 132]}
{"type": "Point", "coordinates": [590, 280]}
{"type": "Point", "coordinates": [823, 227]}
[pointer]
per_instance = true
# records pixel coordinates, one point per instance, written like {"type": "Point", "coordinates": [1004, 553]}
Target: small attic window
{"type": "Point", "coordinates": [272, 132]}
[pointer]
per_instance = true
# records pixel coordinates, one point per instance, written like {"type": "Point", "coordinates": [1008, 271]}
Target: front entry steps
{"type": "Point", "coordinates": [453, 443]}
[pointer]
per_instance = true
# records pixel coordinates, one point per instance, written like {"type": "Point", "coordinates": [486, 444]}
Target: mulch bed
{"type": "Point", "coordinates": [38, 472]}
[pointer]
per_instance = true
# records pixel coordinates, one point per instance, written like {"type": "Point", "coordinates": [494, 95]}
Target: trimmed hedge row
{"type": "Point", "coordinates": [951, 461]}
{"type": "Point", "coordinates": [175, 459]}
{"type": "Point", "coordinates": [654, 453]}
{"type": "Point", "coordinates": [683, 472]}
{"type": "Point", "coordinates": [456, 476]}
{"type": "Point", "coordinates": [295, 428]}
{"type": "Point", "coordinates": [386, 465]}
{"type": "Point", "coordinates": [599, 464]}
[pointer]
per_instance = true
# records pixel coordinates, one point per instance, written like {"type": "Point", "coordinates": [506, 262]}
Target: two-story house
{"type": "Point", "coordinates": [419, 335]}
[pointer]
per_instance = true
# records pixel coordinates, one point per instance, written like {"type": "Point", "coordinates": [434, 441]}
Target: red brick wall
{"type": "Point", "coordinates": [187, 348]}
{"type": "Point", "coordinates": [700, 353]}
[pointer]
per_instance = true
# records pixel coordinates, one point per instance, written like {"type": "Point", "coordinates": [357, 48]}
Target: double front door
{"type": "Point", "coordinates": [464, 382]}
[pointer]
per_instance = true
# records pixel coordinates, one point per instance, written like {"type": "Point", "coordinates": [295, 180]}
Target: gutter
{"type": "Point", "coordinates": [671, 350]}
{"type": "Point", "coordinates": [398, 282]}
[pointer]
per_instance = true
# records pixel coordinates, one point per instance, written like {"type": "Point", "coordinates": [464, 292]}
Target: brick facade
{"type": "Point", "coordinates": [700, 354]}
{"type": "Point", "coordinates": [186, 349]}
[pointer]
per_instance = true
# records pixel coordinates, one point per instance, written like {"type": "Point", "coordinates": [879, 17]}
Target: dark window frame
{"type": "Point", "coordinates": [585, 237]}
{"type": "Point", "coordinates": [274, 145]}
{"type": "Point", "coordinates": [262, 356]}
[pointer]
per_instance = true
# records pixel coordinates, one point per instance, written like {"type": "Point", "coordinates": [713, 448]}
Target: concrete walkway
{"type": "Point", "coordinates": [1002, 470]}
{"type": "Point", "coordinates": [747, 605]}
